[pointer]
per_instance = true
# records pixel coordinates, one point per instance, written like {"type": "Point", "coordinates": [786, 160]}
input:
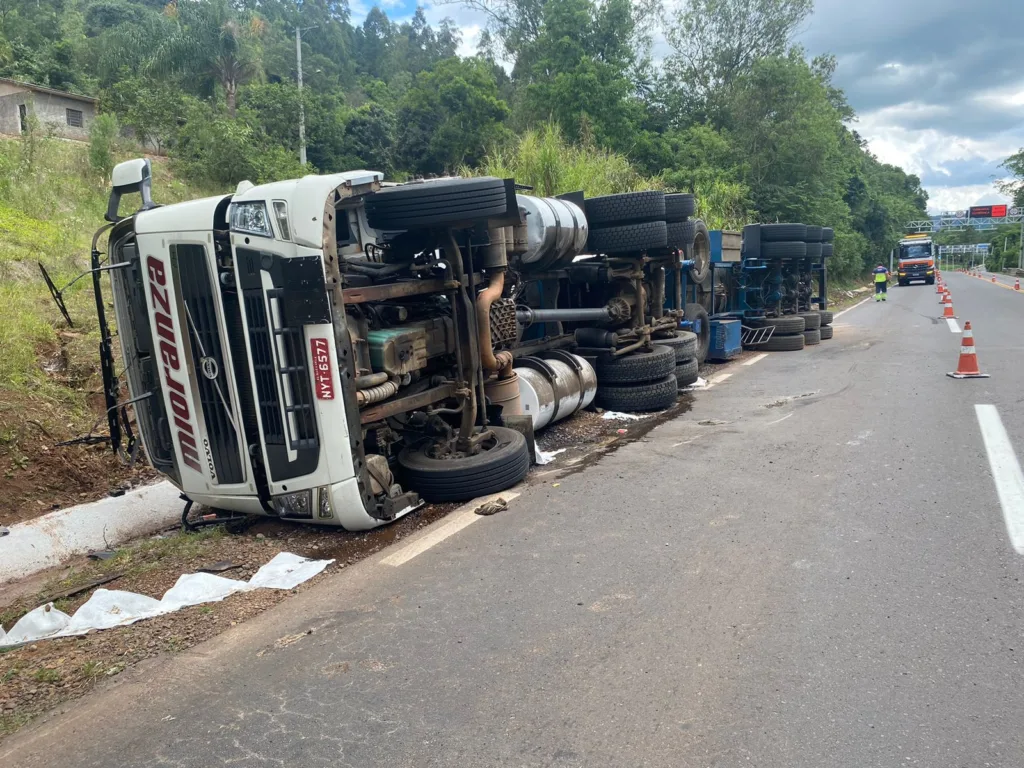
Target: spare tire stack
{"type": "Point", "coordinates": [640, 381]}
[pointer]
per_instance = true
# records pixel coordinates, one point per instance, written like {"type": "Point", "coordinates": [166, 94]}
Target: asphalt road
{"type": "Point", "coordinates": [809, 568]}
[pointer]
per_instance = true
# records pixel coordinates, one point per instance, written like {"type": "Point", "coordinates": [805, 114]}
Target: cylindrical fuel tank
{"type": "Point", "coordinates": [555, 232]}
{"type": "Point", "coordinates": [554, 387]}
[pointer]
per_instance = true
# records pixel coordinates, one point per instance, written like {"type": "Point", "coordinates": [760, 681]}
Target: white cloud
{"type": "Point", "coordinates": [958, 198]}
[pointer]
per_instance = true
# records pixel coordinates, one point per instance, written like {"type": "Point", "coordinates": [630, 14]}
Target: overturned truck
{"type": "Point", "coordinates": [334, 349]}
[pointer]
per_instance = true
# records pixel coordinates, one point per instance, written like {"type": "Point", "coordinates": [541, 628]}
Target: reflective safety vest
{"type": "Point", "coordinates": [881, 275]}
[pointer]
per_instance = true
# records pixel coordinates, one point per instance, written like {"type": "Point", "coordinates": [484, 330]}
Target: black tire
{"type": "Point", "coordinates": [653, 396]}
{"type": "Point", "coordinates": [626, 208]}
{"type": "Point", "coordinates": [788, 249]}
{"type": "Point", "coordinates": [827, 234]}
{"type": "Point", "coordinates": [679, 207]}
{"type": "Point", "coordinates": [826, 332]}
{"type": "Point", "coordinates": [680, 234]}
{"type": "Point", "coordinates": [684, 345]}
{"type": "Point", "coordinates": [812, 320]}
{"type": "Point", "coordinates": [696, 313]}
{"type": "Point", "coordinates": [930, 281]}
{"type": "Point", "coordinates": [461, 479]}
{"type": "Point", "coordinates": [826, 316]}
{"type": "Point", "coordinates": [436, 203]}
{"type": "Point", "coordinates": [636, 367]}
{"type": "Point", "coordinates": [827, 249]}
{"type": "Point", "coordinates": [686, 373]}
{"type": "Point", "coordinates": [781, 233]}
{"type": "Point", "coordinates": [813, 234]}
{"type": "Point", "coordinates": [700, 252]}
{"type": "Point", "coordinates": [814, 250]}
{"type": "Point", "coordinates": [812, 337]}
{"type": "Point", "coordinates": [903, 283]}
{"type": "Point", "coordinates": [788, 342]}
{"type": "Point", "coordinates": [631, 238]}
{"type": "Point", "coordinates": [786, 324]}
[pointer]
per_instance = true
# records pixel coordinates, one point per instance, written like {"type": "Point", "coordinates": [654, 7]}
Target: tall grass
{"type": "Point", "coordinates": [544, 160]}
{"type": "Point", "coordinates": [51, 202]}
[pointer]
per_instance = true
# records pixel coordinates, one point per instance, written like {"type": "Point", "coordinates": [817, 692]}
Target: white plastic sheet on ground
{"type": "Point", "coordinates": [114, 608]}
{"type": "Point", "coordinates": [617, 416]}
{"type": "Point", "coordinates": [543, 457]}
{"type": "Point", "coordinates": [698, 384]}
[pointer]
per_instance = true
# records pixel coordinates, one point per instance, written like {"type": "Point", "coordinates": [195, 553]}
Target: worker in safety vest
{"type": "Point", "coordinates": [881, 282]}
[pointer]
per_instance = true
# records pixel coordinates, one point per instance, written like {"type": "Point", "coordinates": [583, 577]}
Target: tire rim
{"type": "Point", "coordinates": [701, 255]}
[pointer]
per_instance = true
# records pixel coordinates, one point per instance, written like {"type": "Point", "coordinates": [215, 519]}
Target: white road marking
{"type": "Point", "coordinates": [686, 442]}
{"type": "Point", "coordinates": [1005, 471]}
{"type": "Point", "coordinates": [954, 326]}
{"type": "Point", "coordinates": [457, 520]}
{"type": "Point", "coordinates": [778, 420]}
{"type": "Point", "coordinates": [755, 359]}
{"type": "Point", "coordinates": [843, 312]}
{"type": "Point", "coordinates": [717, 380]}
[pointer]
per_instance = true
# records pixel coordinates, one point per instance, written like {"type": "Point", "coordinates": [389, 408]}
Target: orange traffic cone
{"type": "Point", "coordinates": [947, 308]}
{"type": "Point", "coordinates": [1016, 284]}
{"type": "Point", "coordinates": [993, 278]}
{"type": "Point", "coordinates": [945, 293]}
{"type": "Point", "coordinates": [967, 367]}
{"type": "Point", "coordinates": [938, 286]}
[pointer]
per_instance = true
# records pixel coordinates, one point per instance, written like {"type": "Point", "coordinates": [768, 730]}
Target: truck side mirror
{"type": "Point", "coordinates": [128, 177]}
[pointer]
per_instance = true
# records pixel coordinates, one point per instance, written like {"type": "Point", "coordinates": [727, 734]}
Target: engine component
{"type": "Point", "coordinates": [505, 392]}
{"type": "Point", "coordinates": [554, 233]}
{"type": "Point", "coordinates": [504, 330]}
{"type": "Point", "coordinates": [554, 387]}
{"type": "Point", "coordinates": [407, 348]}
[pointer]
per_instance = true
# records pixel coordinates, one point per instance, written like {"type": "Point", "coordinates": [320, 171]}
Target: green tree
{"type": "Point", "coordinates": [104, 136]}
{"type": "Point", "coordinates": [714, 42]}
{"type": "Point", "coordinates": [1014, 186]}
{"type": "Point", "coordinates": [449, 116]}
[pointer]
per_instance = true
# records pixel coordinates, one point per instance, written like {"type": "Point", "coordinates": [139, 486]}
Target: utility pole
{"type": "Point", "coordinates": [302, 108]}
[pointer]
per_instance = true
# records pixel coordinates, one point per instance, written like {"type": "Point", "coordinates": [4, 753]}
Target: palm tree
{"type": "Point", "coordinates": [213, 43]}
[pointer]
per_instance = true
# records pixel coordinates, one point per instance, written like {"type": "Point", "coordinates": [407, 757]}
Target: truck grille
{"type": "Point", "coordinates": [290, 376]}
{"type": "Point", "coordinates": [200, 318]}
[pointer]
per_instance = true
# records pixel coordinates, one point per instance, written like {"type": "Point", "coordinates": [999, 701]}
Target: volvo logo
{"type": "Point", "coordinates": [209, 367]}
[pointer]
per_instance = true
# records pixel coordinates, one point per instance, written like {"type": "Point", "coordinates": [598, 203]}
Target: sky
{"type": "Point", "coordinates": [938, 85]}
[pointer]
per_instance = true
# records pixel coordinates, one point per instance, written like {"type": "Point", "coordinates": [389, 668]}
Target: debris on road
{"type": "Point", "coordinates": [543, 457]}
{"type": "Point", "coordinates": [492, 507]}
{"type": "Point", "coordinates": [618, 416]}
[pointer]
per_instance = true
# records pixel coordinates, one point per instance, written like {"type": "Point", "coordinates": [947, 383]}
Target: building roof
{"type": "Point", "coordinates": [52, 91]}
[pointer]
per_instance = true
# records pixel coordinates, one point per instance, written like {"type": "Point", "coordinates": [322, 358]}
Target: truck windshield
{"type": "Point", "coordinates": [921, 251]}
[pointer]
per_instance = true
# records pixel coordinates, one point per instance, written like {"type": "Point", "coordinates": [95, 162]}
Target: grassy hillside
{"type": "Point", "coordinates": [51, 203]}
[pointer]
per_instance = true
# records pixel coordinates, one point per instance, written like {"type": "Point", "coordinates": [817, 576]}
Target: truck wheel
{"type": "Point", "coordinates": [700, 252]}
{"type": "Point", "coordinates": [631, 238]}
{"type": "Point", "coordinates": [779, 233]}
{"type": "Point", "coordinates": [785, 249]}
{"type": "Point", "coordinates": [812, 320]}
{"type": "Point", "coordinates": [686, 373]}
{"type": "Point", "coordinates": [814, 250]}
{"type": "Point", "coordinates": [812, 337]}
{"type": "Point", "coordinates": [903, 283]}
{"type": "Point", "coordinates": [684, 344]}
{"type": "Point", "coordinates": [436, 203]}
{"type": "Point", "coordinates": [626, 208]}
{"type": "Point", "coordinates": [826, 332]}
{"type": "Point", "coordinates": [654, 396]}
{"type": "Point", "coordinates": [679, 207]}
{"type": "Point", "coordinates": [697, 314]}
{"type": "Point", "coordinates": [827, 234]}
{"type": "Point", "coordinates": [643, 365]}
{"type": "Point", "coordinates": [786, 324]}
{"type": "Point", "coordinates": [826, 316]}
{"type": "Point", "coordinates": [501, 463]}
{"type": "Point", "coordinates": [790, 342]}
{"type": "Point", "coordinates": [827, 249]}
{"type": "Point", "coordinates": [813, 234]}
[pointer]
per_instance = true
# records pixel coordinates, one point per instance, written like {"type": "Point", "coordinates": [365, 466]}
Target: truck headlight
{"type": "Point", "coordinates": [251, 218]}
{"type": "Point", "coordinates": [298, 504]}
{"type": "Point", "coordinates": [324, 509]}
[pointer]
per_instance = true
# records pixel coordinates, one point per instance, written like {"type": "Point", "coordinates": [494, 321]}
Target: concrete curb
{"type": "Point", "coordinates": [49, 540]}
